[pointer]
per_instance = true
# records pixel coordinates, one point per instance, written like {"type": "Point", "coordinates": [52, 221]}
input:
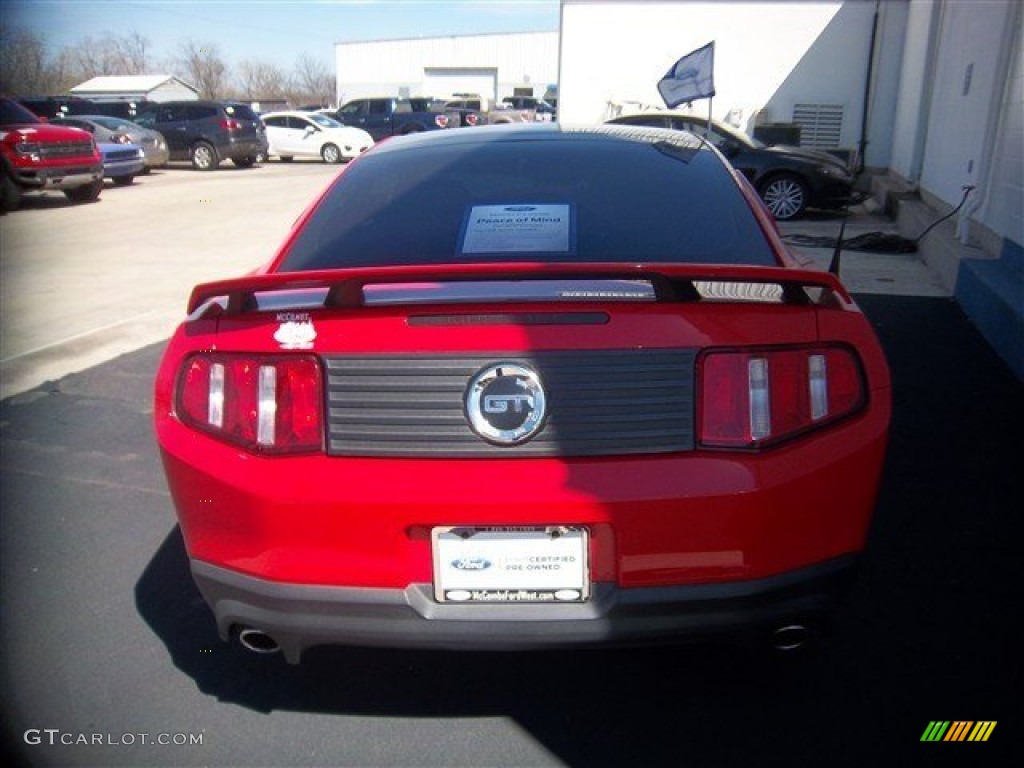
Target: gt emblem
{"type": "Point", "coordinates": [506, 403]}
{"type": "Point", "coordinates": [501, 403]}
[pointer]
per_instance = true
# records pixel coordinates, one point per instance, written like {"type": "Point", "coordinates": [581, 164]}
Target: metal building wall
{"type": "Point", "coordinates": [394, 67]}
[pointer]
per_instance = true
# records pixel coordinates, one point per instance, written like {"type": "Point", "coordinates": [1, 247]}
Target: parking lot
{"type": "Point", "coordinates": [84, 283]}
{"type": "Point", "coordinates": [103, 633]}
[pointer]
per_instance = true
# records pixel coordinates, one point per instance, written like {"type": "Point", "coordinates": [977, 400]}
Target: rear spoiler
{"type": "Point", "coordinates": [671, 282]}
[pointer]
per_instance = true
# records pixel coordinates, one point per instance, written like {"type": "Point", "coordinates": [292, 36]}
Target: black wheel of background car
{"type": "Point", "coordinates": [85, 194]}
{"type": "Point", "coordinates": [124, 181]}
{"type": "Point", "coordinates": [245, 162]}
{"type": "Point", "coordinates": [330, 153]}
{"type": "Point", "coordinates": [785, 196]}
{"type": "Point", "coordinates": [204, 157]}
{"type": "Point", "coordinates": [11, 195]}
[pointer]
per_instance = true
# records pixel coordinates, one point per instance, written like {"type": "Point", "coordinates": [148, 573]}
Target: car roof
{"type": "Point", "coordinates": [486, 134]}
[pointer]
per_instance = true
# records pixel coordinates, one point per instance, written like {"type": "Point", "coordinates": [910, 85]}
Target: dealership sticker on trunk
{"type": "Point", "coordinates": [511, 565]}
{"type": "Point", "coordinates": [295, 331]}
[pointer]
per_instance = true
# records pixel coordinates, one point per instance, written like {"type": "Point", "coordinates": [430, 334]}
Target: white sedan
{"type": "Point", "coordinates": [308, 134]}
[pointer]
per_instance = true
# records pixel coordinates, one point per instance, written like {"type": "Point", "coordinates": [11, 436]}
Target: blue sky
{"type": "Point", "coordinates": [273, 31]}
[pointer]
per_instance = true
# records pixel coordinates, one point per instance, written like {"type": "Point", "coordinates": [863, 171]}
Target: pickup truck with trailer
{"type": "Point", "coordinates": [383, 117]}
{"type": "Point", "coordinates": [37, 156]}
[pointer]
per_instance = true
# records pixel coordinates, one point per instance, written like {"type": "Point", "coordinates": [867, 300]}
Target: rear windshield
{"type": "Point", "coordinates": [240, 112]}
{"type": "Point", "coordinates": [600, 200]}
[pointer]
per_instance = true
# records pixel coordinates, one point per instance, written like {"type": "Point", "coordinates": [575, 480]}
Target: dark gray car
{"type": "Point", "coordinates": [208, 132]}
{"type": "Point", "coordinates": [789, 179]}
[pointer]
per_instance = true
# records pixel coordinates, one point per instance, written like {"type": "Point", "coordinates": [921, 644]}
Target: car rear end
{"type": "Point", "coordinates": [154, 146]}
{"type": "Point", "coordinates": [242, 132]}
{"type": "Point", "coordinates": [554, 408]}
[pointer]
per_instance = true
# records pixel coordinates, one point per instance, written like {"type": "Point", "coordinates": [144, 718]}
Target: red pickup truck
{"type": "Point", "coordinates": [37, 156]}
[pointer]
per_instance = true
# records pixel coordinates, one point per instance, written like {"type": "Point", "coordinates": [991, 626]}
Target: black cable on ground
{"type": "Point", "coordinates": [875, 242]}
{"type": "Point", "coordinates": [872, 242]}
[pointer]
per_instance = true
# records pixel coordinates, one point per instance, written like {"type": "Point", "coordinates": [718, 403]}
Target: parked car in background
{"type": "Point", "coordinates": [789, 179]}
{"type": "Point", "coordinates": [36, 156]}
{"type": "Point", "coordinates": [311, 134]}
{"type": "Point", "coordinates": [468, 111]}
{"type": "Point", "coordinates": [206, 133]}
{"type": "Point", "coordinates": [49, 107]}
{"type": "Point", "coordinates": [520, 387]}
{"type": "Point", "coordinates": [382, 117]}
{"type": "Point", "coordinates": [122, 161]}
{"type": "Point", "coordinates": [541, 110]}
{"type": "Point", "coordinates": [119, 131]}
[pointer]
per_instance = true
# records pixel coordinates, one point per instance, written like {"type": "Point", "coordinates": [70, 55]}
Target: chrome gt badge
{"type": "Point", "coordinates": [505, 403]}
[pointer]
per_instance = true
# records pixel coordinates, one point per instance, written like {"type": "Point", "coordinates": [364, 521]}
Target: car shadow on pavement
{"type": "Point", "coordinates": [592, 707]}
{"type": "Point", "coordinates": [929, 631]}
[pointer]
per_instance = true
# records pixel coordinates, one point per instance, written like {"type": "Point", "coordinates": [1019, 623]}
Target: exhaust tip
{"type": "Point", "coordinates": [257, 641]}
{"type": "Point", "coordinates": [791, 637]}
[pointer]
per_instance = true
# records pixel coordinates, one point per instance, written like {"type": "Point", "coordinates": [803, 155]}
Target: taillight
{"type": "Point", "coordinates": [472, 119]}
{"type": "Point", "coordinates": [229, 124]}
{"type": "Point", "coordinates": [441, 121]}
{"type": "Point", "coordinates": [262, 403]}
{"type": "Point", "coordinates": [752, 398]}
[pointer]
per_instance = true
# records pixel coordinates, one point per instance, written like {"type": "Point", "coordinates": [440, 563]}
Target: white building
{"type": "Point", "coordinates": [136, 88]}
{"type": "Point", "coordinates": [493, 66]}
{"type": "Point", "coordinates": [930, 92]}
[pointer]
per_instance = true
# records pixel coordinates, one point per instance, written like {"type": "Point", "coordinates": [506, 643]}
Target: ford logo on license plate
{"type": "Point", "coordinates": [471, 564]}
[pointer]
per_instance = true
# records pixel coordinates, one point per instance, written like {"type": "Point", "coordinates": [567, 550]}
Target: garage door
{"type": "Point", "coordinates": [442, 82]}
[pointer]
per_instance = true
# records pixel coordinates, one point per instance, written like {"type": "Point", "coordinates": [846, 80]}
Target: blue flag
{"type": "Point", "coordinates": [691, 78]}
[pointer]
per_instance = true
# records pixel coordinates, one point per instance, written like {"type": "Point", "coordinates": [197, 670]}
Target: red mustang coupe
{"type": "Point", "coordinates": [520, 388]}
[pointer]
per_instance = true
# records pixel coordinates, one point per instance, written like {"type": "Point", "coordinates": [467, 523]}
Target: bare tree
{"type": "Point", "coordinates": [200, 65]}
{"type": "Point", "coordinates": [93, 57]}
{"type": "Point", "coordinates": [132, 54]}
{"type": "Point", "coordinates": [259, 80]}
{"type": "Point", "coordinates": [104, 56]}
{"type": "Point", "coordinates": [313, 80]}
{"type": "Point", "coordinates": [23, 66]}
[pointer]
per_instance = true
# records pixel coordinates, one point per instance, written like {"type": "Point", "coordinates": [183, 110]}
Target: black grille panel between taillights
{"type": "Point", "coordinates": [599, 403]}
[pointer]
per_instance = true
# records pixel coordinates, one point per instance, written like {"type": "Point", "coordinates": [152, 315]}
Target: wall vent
{"type": "Point", "coordinates": [821, 125]}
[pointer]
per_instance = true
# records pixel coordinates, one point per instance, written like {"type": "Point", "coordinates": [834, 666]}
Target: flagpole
{"type": "Point", "coordinates": [707, 131]}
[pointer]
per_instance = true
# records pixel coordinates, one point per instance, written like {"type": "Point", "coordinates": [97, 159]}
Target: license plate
{"type": "Point", "coordinates": [511, 565]}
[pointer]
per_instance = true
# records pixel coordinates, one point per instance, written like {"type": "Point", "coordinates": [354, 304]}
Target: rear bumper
{"type": "Point", "coordinates": [156, 156]}
{"type": "Point", "coordinates": [240, 148]}
{"type": "Point", "coordinates": [299, 617]}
